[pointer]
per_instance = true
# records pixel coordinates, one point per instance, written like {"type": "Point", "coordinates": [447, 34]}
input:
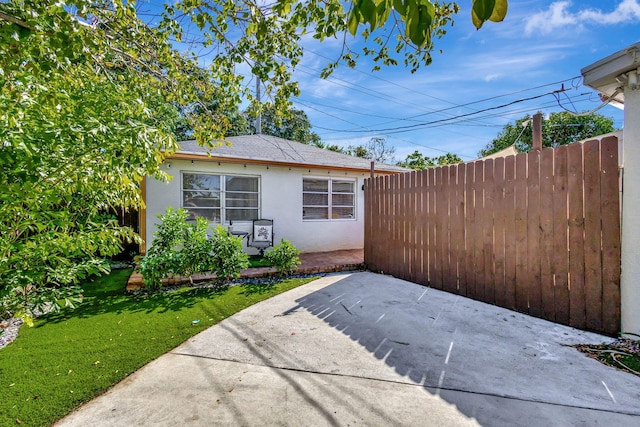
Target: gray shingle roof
{"type": "Point", "coordinates": [271, 149]}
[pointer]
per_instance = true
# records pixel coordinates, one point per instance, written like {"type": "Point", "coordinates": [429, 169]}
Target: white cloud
{"type": "Point", "coordinates": [558, 16]}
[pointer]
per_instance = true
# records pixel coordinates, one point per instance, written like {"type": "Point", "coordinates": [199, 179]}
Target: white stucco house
{"type": "Point", "coordinates": [315, 197]}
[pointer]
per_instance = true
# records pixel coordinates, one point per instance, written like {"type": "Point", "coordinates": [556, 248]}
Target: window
{"type": "Point", "coordinates": [324, 199]}
{"type": "Point", "coordinates": [221, 198]}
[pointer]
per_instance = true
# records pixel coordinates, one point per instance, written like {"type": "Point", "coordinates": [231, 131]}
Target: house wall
{"type": "Point", "coordinates": [281, 200]}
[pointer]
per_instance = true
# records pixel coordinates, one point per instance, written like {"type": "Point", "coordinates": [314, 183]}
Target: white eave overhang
{"type": "Point", "coordinates": [608, 74]}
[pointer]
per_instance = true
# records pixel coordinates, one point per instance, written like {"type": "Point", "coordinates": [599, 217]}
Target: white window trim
{"type": "Point", "coordinates": [330, 192]}
{"type": "Point", "coordinates": [223, 207]}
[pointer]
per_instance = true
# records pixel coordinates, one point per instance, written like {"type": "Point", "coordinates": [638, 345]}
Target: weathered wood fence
{"type": "Point", "coordinates": [538, 232]}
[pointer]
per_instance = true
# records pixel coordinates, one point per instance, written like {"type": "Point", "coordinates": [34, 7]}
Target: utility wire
{"type": "Point", "coordinates": [455, 105]}
{"type": "Point", "coordinates": [414, 126]}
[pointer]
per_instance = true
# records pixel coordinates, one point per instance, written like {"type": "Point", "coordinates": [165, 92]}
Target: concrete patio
{"type": "Point", "coordinates": [367, 349]}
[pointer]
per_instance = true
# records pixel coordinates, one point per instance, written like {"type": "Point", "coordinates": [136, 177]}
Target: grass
{"type": "Point", "coordinates": [258, 261]}
{"type": "Point", "coordinates": [70, 357]}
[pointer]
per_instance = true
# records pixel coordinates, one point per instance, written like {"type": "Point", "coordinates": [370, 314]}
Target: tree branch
{"type": "Point", "coordinates": [16, 21]}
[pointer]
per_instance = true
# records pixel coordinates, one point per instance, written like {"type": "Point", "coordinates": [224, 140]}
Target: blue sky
{"type": "Point", "coordinates": [541, 46]}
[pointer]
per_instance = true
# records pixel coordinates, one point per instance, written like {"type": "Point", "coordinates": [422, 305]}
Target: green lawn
{"type": "Point", "coordinates": [70, 357]}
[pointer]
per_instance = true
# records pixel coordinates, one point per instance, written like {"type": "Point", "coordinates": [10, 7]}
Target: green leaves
{"type": "Point", "coordinates": [419, 15]}
{"type": "Point", "coordinates": [488, 10]}
{"type": "Point", "coordinates": [418, 161]}
{"type": "Point", "coordinates": [83, 117]}
{"type": "Point", "coordinates": [284, 257]}
{"type": "Point", "coordinates": [414, 24]}
{"type": "Point", "coordinates": [182, 249]}
{"type": "Point", "coordinates": [373, 12]}
{"type": "Point", "coordinates": [559, 129]}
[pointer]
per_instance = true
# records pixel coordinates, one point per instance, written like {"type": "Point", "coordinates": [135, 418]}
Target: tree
{"type": "Point", "coordinates": [90, 100]}
{"type": "Point", "coordinates": [85, 114]}
{"type": "Point", "coordinates": [293, 125]}
{"type": "Point", "coordinates": [375, 149]}
{"type": "Point", "coordinates": [379, 151]}
{"type": "Point", "coordinates": [418, 161]}
{"type": "Point", "coordinates": [559, 129]}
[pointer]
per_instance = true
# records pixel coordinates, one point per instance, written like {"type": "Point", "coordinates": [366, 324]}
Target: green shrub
{"type": "Point", "coordinates": [284, 257]}
{"type": "Point", "coordinates": [195, 256]}
{"type": "Point", "coordinates": [171, 232]}
{"type": "Point", "coordinates": [154, 267]}
{"type": "Point", "coordinates": [182, 249]}
{"type": "Point", "coordinates": [178, 249]}
{"type": "Point", "coordinates": [228, 259]}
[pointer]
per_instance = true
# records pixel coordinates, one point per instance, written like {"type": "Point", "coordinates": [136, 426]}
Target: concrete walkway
{"type": "Point", "coordinates": [366, 349]}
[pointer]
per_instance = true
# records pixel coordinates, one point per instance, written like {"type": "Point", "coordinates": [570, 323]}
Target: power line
{"type": "Point", "coordinates": [414, 126]}
{"type": "Point", "coordinates": [454, 105]}
{"type": "Point", "coordinates": [378, 94]}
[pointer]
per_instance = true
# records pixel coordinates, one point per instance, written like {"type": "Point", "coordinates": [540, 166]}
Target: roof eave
{"type": "Point", "coordinates": [257, 161]}
{"type": "Point", "coordinates": [604, 75]}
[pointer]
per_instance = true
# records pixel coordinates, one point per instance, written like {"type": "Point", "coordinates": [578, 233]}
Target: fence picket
{"type": "Point", "coordinates": [546, 234]}
{"type": "Point", "coordinates": [388, 218]}
{"type": "Point", "coordinates": [432, 226]}
{"type": "Point", "coordinates": [534, 293]}
{"type": "Point", "coordinates": [470, 228]}
{"type": "Point", "coordinates": [593, 237]}
{"type": "Point", "coordinates": [560, 247]}
{"type": "Point", "coordinates": [450, 281]}
{"type": "Point", "coordinates": [499, 230]}
{"type": "Point", "coordinates": [610, 212]}
{"type": "Point", "coordinates": [488, 208]}
{"type": "Point", "coordinates": [457, 226]}
{"type": "Point", "coordinates": [509, 206]}
{"type": "Point", "coordinates": [396, 249]}
{"type": "Point", "coordinates": [577, 305]}
{"type": "Point", "coordinates": [522, 273]}
{"type": "Point", "coordinates": [423, 237]}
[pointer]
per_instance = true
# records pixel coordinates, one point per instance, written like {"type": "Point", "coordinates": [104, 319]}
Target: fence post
{"type": "Point", "coordinates": [537, 131]}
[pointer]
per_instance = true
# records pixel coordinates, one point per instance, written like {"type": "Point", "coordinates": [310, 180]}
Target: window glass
{"type": "Point", "coordinates": [212, 215]}
{"type": "Point", "coordinates": [315, 213]}
{"type": "Point", "coordinates": [200, 199]}
{"type": "Point", "coordinates": [241, 183]}
{"type": "Point", "coordinates": [342, 187]}
{"type": "Point", "coordinates": [241, 200]}
{"type": "Point", "coordinates": [196, 181]}
{"type": "Point", "coordinates": [221, 198]}
{"type": "Point", "coordinates": [317, 185]}
{"type": "Point", "coordinates": [342, 199]}
{"type": "Point", "coordinates": [241, 214]}
{"type": "Point", "coordinates": [328, 199]}
{"type": "Point", "coordinates": [342, 213]}
{"type": "Point", "coordinates": [315, 199]}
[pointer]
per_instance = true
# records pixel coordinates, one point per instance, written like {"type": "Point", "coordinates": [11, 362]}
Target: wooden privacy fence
{"type": "Point", "coordinates": [538, 232]}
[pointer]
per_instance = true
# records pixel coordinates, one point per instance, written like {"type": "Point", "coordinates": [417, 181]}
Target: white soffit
{"type": "Point", "coordinates": [602, 75]}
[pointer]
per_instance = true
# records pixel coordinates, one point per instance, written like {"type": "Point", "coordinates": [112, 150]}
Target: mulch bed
{"type": "Point", "coordinates": [623, 354]}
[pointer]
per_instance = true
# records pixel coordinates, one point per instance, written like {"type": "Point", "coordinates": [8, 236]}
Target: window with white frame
{"type": "Point", "coordinates": [221, 198]}
{"type": "Point", "coordinates": [327, 199]}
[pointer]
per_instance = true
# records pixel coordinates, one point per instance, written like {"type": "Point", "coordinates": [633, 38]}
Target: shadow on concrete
{"type": "Point", "coordinates": [497, 366]}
